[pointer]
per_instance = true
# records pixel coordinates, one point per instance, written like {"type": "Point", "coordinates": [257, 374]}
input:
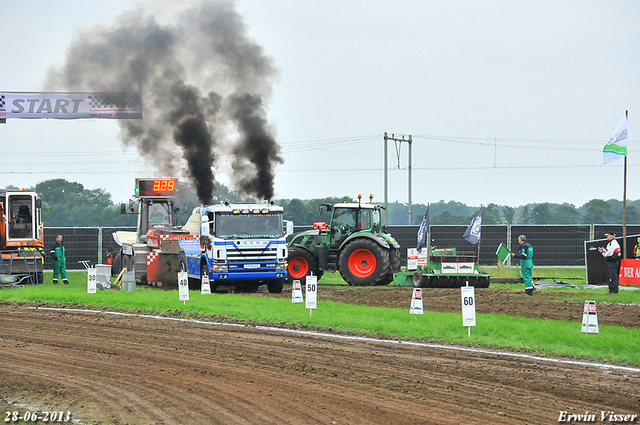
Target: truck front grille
{"type": "Point", "coordinates": [247, 254]}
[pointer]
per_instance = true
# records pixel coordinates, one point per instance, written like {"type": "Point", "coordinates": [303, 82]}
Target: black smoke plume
{"type": "Point", "coordinates": [203, 83]}
{"type": "Point", "coordinates": [257, 148]}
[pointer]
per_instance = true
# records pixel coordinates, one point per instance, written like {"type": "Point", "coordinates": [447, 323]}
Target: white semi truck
{"type": "Point", "coordinates": [240, 245]}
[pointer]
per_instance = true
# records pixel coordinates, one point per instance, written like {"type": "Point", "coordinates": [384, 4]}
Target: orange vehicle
{"type": "Point", "coordinates": [21, 235]}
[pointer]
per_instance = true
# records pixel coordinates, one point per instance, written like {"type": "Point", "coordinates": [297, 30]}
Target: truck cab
{"type": "Point", "coordinates": [241, 245]}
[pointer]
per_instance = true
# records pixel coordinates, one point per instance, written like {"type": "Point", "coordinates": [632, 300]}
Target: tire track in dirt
{"type": "Point", "coordinates": [122, 369]}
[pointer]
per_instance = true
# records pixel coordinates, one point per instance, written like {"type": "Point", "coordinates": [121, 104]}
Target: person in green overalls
{"type": "Point", "coordinates": [59, 261]}
{"type": "Point", "coordinates": [525, 255]}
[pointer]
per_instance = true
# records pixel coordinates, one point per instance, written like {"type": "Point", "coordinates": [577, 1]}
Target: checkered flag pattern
{"type": "Point", "coordinates": [151, 257]}
{"type": "Point", "coordinates": [2, 101]}
{"type": "Point", "coordinates": [114, 101]}
{"type": "Point", "coordinates": [173, 237]}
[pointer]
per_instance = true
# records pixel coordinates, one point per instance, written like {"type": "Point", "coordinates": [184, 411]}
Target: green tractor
{"type": "Point", "coordinates": [354, 244]}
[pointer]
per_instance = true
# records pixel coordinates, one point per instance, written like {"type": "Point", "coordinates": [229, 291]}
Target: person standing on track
{"type": "Point", "coordinates": [612, 254]}
{"type": "Point", "coordinates": [636, 250]}
{"type": "Point", "coordinates": [525, 255]}
{"type": "Point", "coordinates": [57, 253]}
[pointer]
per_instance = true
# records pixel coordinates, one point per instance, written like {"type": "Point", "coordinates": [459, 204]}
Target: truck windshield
{"type": "Point", "coordinates": [249, 226]}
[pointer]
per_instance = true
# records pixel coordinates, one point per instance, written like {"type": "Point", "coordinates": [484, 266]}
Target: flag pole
{"type": "Point", "coordinates": [479, 241]}
{"type": "Point", "coordinates": [624, 204]}
{"type": "Point", "coordinates": [428, 238]}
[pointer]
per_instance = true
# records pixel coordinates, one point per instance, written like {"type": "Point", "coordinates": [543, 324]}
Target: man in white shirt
{"type": "Point", "coordinates": [612, 254]}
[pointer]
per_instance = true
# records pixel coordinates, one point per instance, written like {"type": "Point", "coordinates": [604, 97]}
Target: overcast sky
{"type": "Point", "coordinates": [507, 102]}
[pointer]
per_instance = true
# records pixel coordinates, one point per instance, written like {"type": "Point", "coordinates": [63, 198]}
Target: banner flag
{"type": "Point", "coordinates": [472, 234]}
{"type": "Point", "coordinates": [422, 232]}
{"type": "Point", "coordinates": [71, 105]}
{"type": "Point", "coordinates": [616, 148]}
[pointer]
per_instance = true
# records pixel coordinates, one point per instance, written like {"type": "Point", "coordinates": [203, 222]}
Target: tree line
{"type": "Point", "coordinates": [70, 204]}
{"type": "Point", "coordinates": [305, 212]}
{"type": "Point", "coordinates": [455, 213]}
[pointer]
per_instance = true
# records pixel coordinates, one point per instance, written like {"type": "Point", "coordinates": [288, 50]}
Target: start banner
{"type": "Point", "coordinates": [70, 105]}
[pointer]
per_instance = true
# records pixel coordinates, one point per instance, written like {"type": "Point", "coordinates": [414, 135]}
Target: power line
{"type": "Point", "coordinates": [465, 167]}
{"type": "Point", "coordinates": [132, 159]}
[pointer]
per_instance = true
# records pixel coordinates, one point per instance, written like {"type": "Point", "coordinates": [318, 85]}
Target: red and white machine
{"type": "Point", "coordinates": [153, 252]}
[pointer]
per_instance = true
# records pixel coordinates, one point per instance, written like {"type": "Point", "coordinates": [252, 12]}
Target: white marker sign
{"type": "Point", "coordinates": [92, 277]}
{"type": "Point", "coordinates": [416, 302]}
{"type": "Point", "coordinates": [183, 286]}
{"type": "Point", "coordinates": [312, 293]}
{"type": "Point", "coordinates": [206, 286]}
{"type": "Point", "coordinates": [468, 306]}
{"type": "Point", "coordinates": [415, 259]}
{"type": "Point", "coordinates": [296, 294]}
{"type": "Point", "coordinates": [590, 318]}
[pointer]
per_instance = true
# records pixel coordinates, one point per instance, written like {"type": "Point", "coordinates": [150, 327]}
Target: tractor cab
{"type": "Point", "coordinates": [350, 218]}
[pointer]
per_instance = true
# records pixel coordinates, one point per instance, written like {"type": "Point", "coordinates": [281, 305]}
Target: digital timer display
{"type": "Point", "coordinates": [156, 188]}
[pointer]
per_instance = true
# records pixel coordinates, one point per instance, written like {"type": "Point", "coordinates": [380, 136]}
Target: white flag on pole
{"type": "Point", "coordinates": [616, 148]}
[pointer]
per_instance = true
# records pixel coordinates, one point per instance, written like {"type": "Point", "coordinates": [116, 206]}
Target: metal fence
{"type": "Point", "coordinates": [554, 245]}
{"type": "Point", "coordinates": [81, 244]}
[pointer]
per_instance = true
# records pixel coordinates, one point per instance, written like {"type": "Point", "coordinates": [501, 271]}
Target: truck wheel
{"type": "Point", "coordinates": [301, 264]}
{"type": "Point", "coordinates": [364, 263]}
{"type": "Point", "coordinates": [275, 286]}
{"type": "Point", "coordinates": [205, 272]}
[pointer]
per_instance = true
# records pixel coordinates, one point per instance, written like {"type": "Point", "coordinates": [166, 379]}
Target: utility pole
{"type": "Point", "coordinates": [409, 140]}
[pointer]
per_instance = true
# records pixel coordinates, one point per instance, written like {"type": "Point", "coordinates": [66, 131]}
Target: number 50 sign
{"type": "Point", "coordinates": [312, 293]}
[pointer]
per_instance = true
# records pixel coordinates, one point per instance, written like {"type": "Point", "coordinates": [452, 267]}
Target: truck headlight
{"type": "Point", "coordinates": [281, 266]}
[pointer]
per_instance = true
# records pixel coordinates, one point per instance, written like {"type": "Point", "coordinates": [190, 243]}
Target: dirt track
{"type": "Point", "coordinates": [133, 370]}
{"type": "Point", "coordinates": [544, 304]}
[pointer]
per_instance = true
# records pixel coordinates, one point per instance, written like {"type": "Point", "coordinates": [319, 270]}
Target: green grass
{"type": "Point", "coordinates": [575, 275]}
{"type": "Point", "coordinates": [613, 344]}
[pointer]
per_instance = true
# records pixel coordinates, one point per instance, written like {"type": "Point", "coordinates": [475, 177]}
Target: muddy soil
{"type": "Point", "coordinates": [544, 304]}
{"type": "Point", "coordinates": [115, 369]}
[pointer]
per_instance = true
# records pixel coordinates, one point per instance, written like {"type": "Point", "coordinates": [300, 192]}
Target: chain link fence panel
{"type": "Point", "coordinates": [82, 244]}
{"type": "Point", "coordinates": [554, 245]}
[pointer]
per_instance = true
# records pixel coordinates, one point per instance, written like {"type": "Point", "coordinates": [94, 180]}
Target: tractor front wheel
{"type": "Point", "coordinates": [363, 262]}
{"type": "Point", "coordinates": [301, 264]}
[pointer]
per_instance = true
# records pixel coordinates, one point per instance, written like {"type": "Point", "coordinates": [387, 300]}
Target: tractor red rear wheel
{"type": "Point", "coordinates": [364, 262]}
